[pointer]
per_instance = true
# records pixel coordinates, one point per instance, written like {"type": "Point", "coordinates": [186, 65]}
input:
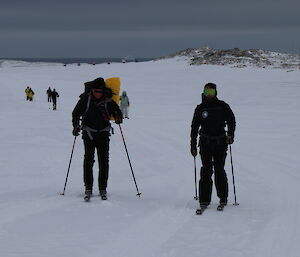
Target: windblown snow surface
{"type": "Point", "coordinates": [36, 143]}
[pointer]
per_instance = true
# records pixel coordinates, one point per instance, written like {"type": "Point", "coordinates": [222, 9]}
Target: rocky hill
{"type": "Point", "coordinates": [239, 58]}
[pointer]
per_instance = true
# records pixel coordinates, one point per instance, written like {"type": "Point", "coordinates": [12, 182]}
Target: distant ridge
{"type": "Point", "coordinates": [236, 57]}
{"type": "Point", "coordinates": [73, 60]}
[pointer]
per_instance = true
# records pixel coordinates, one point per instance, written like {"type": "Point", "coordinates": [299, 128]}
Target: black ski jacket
{"type": "Point", "coordinates": [212, 117]}
{"type": "Point", "coordinates": [95, 114]}
{"type": "Point", "coordinates": [54, 95]}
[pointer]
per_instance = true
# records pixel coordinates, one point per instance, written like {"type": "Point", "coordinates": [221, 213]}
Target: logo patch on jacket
{"type": "Point", "coordinates": [204, 114]}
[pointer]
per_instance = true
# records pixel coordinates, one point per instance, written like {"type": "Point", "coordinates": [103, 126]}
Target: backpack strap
{"type": "Point", "coordinates": [87, 108]}
{"type": "Point", "coordinates": [88, 104]}
{"type": "Point", "coordinates": [106, 114]}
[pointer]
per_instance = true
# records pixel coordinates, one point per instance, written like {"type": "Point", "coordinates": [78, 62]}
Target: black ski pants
{"type": "Point", "coordinates": [213, 155]}
{"type": "Point", "coordinates": [54, 103]}
{"type": "Point", "coordinates": [100, 142]}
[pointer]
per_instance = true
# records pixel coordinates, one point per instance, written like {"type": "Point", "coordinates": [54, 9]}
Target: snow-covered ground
{"type": "Point", "coordinates": [36, 142]}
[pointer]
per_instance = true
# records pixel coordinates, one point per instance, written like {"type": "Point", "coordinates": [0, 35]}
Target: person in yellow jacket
{"type": "Point", "coordinates": [30, 94]}
{"type": "Point", "coordinates": [27, 89]}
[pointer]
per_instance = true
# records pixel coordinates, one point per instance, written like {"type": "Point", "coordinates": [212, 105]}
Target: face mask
{"type": "Point", "coordinates": [209, 92]}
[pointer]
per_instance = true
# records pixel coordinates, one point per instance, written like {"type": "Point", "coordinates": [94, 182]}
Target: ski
{"type": "Point", "coordinates": [201, 210]}
{"type": "Point", "coordinates": [220, 207]}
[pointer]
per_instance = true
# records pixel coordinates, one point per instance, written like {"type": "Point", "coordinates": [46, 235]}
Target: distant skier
{"type": "Point", "coordinates": [95, 108]}
{"type": "Point", "coordinates": [54, 96]}
{"type": "Point", "coordinates": [27, 89]}
{"type": "Point", "coordinates": [49, 92]}
{"type": "Point", "coordinates": [211, 116]}
{"type": "Point", "coordinates": [29, 94]}
{"type": "Point", "coordinates": [124, 104]}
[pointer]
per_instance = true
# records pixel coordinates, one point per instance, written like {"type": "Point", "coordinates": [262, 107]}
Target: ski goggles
{"type": "Point", "coordinates": [209, 92]}
{"type": "Point", "coordinates": [97, 91]}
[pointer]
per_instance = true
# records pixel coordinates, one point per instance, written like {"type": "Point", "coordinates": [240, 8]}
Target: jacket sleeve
{"type": "Point", "coordinates": [78, 112]}
{"type": "Point", "coordinates": [230, 120]}
{"type": "Point", "coordinates": [115, 111]}
{"type": "Point", "coordinates": [195, 126]}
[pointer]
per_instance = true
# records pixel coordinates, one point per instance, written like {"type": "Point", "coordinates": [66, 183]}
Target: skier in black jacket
{"type": "Point", "coordinates": [95, 108]}
{"type": "Point", "coordinates": [48, 92]}
{"type": "Point", "coordinates": [54, 96]}
{"type": "Point", "coordinates": [211, 116]}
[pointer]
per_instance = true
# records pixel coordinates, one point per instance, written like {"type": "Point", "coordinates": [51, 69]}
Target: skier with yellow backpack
{"type": "Point", "coordinates": [96, 106]}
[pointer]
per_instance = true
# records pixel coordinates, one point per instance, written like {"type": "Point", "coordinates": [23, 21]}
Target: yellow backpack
{"type": "Point", "coordinates": [114, 84]}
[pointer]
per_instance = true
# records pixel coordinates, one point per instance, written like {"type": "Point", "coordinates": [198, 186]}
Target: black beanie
{"type": "Point", "coordinates": [97, 83]}
{"type": "Point", "coordinates": [211, 85]}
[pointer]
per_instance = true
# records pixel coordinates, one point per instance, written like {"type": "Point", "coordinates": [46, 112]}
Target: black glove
{"type": "Point", "coordinates": [118, 120]}
{"type": "Point", "coordinates": [76, 131]}
{"type": "Point", "coordinates": [193, 149]}
{"type": "Point", "coordinates": [229, 140]}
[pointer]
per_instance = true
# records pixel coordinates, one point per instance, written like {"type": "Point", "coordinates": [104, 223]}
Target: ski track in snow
{"type": "Point", "coordinates": [36, 221]}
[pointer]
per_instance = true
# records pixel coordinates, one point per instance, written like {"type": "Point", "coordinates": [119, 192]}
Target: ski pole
{"type": "Point", "coordinates": [138, 193]}
{"type": "Point", "coordinates": [196, 195]}
{"type": "Point", "coordinates": [235, 203]}
{"type": "Point", "coordinates": [63, 193]}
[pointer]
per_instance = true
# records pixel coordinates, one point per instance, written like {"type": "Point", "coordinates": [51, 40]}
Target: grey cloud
{"type": "Point", "coordinates": [123, 15]}
{"type": "Point", "coordinates": [143, 28]}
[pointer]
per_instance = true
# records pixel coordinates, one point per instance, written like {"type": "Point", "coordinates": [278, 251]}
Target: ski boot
{"type": "Point", "coordinates": [202, 208]}
{"type": "Point", "coordinates": [87, 195]}
{"type": "Point", "coordinates": [103, 194]}
{"type": "Point", "coordinates": [223, 203]}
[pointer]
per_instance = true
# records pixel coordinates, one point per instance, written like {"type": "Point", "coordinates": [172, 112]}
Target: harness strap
{"type": "Point", "coordinates": [90, 130]}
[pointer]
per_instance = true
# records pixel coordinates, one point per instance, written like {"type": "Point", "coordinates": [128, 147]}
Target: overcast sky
{"type": "Point", "coordinates": [139, 28]}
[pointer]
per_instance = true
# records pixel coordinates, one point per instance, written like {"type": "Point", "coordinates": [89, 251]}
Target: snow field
{"type": "Point", "coordinates": [36, 145]}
